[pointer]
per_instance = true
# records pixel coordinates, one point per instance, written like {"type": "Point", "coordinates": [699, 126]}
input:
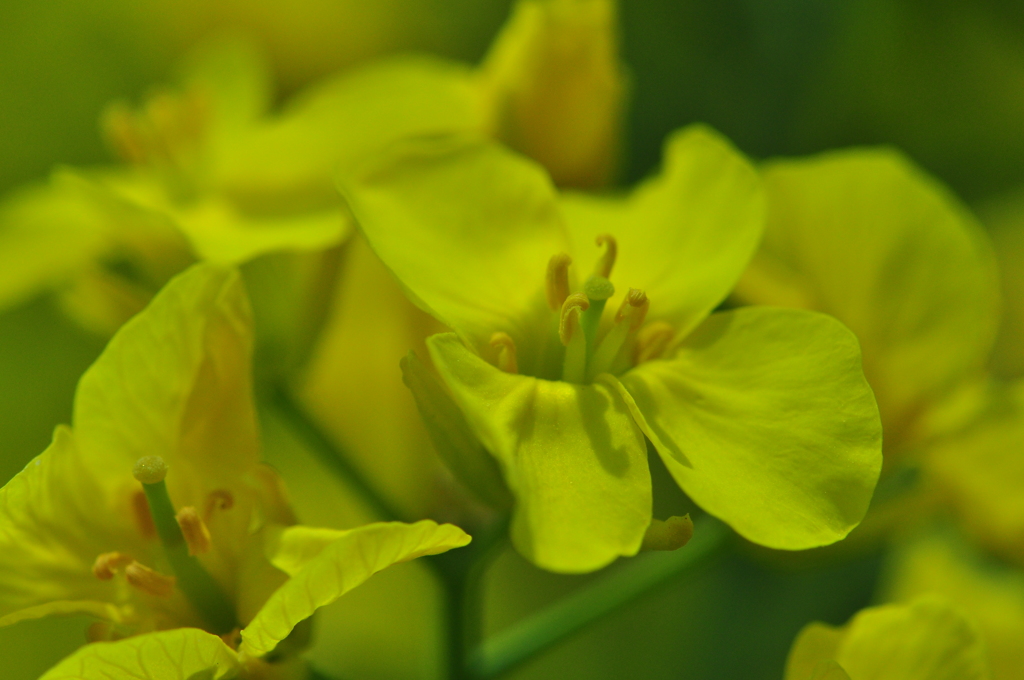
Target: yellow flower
{"type": "Point", "coordinates": [763, 416]}
{"type": "Point", "coordinates": [924, 640]}
{"type": "Point", "coordinates": [153, 512]}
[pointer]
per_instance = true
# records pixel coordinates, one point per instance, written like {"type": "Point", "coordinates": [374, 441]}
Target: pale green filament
{"type": "Point", "coordinates": [199, 587]}
{"type": "Point", "coordinates": [602, 359]}
{"type": "Point", "coordinates": [597, 289]}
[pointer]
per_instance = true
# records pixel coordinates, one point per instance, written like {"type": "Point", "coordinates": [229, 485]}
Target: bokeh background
{"type": "Point", "coordinates": [941, 79]}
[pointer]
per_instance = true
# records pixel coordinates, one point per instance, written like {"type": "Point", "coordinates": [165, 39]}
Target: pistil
{"type": "Point", "coordinates": [597, 289]}
{"type": "Point", "coordinates": [199, 587]}
{"type": "Point", "coordinates": [628, 319]}
{"type": "Point", "coordinates": [570, 332]}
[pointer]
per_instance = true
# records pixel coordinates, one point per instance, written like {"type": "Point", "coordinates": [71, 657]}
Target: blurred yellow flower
{"type": "Point", "coordinates": [212, 548]}
{"type": "Point", "coordinates": [923, 640]}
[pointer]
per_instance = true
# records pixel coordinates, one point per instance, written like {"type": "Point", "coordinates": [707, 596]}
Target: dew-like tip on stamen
{"type": "Point", "coordinates": [652, 341]}
{"type": "Point", "coordinates": [197, 536]}
{"type": "Point", "coordinates": [108, 564]}
{"type": "Point", "coordinates": [598, 288]}
{"type": "Point", "coordinates": [150, 469]}
{"type": "Point", "coordinates": [557, 288]}
{"type": "Point", "coordinates": [569, 320]}
{"type": "Point", "coordinates": [607, 261]}
{"type": "Point", "coordinates": [634, 307]}
{"type": "Point", "coordinates": [506, 347]}
{"type": "Point", "coordinates": [149, 581]}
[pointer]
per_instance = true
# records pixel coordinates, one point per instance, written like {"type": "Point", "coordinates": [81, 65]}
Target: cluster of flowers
{"type": "Point", "coordinates": [757, 326]}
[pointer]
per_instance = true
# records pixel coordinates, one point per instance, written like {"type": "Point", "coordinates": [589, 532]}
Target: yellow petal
{"type": "Point", "coordinates": [685, 235]}
{"type": "Point", "coordinates": [555, 88]}
{"type": "Point", "coordinates": [764, 418]}
{"type": "Point", "coordinates": [181, 654]}
{"type": "Point", "coordinates": [866, 236]}
{"type": "Point", "coordinates": [468, 229]}
{"type": "Point", "coordinates": [326, 564]}
{"type": "Point", "coordinates": [571, 455]}
{"type": "Point", "coordinates": [54, 521]}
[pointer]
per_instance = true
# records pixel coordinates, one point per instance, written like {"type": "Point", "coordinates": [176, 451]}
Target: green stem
{"type": "Point", "coordinates": [330, 455]}
{"type": "Point", "coordinates": [638, 576]}
{"type": "Point", "coordinates": [461, 573]}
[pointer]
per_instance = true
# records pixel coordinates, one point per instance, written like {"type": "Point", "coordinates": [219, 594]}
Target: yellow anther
{"type": "Point", "coordinates": [108, 564]}
{"type": "Point", "coordinates": [149, 581]}
{"type": "Point", "coordinates": [143, 519]}
{"type": "Point", "coordinates": [634, 308]}
{"type": "Point", "coordinates": [506, 347]}
{"type": "Point", "coordinates": [569, 321]}
{"type": "Point", "coordinates": [558, 280]}
{"type": "Point", "coordinates": [150, 469]}
{"type": "Point", "coordinates": [652, 341]}
{"type": "Point", "coordinates": [672, 534]}
{"type": "Point", "coordinates": [197, 536]}
{"type": "Point", "coordinates": [607, 261]}
{"type": "Point", "coordinates": [219, 499]}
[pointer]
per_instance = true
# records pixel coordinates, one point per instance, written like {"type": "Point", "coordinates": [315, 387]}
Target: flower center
{"type": "Point", "coordinates": [590, 346]}
{"type": "Point", "coordinates": [183, 535]}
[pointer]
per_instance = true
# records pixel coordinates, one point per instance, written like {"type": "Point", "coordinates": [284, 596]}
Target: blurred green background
{"type": "Point", "coordinates": [943, 80]}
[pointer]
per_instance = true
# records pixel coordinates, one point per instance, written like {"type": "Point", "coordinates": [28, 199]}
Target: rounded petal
{"type": "Point", "coordinates": [326, 564]}
{"type": "Point", "coordinates": [866, 236]}
{"type": "Point", "coordinates": [764, 418]}
{"type": "Point", "coordinates": [571, 455]}
{"type": "Point", "coordinates": [467, 228]}
{"type": "Point", "coordinates": [926, 640]}
{"type": "Point", "coordinates": [684, 236]}
{"type": "Point", "coordinates": [180, 654]}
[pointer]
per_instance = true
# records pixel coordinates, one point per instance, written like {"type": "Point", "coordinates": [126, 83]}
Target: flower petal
{"type": "Point", "coordinates": [180, 654]}
{"type": "Point", "coordinates": [764, 418]}
{"type": "Point", "coordinates": [176, 382]}
{"type": "Point", "coordinates": [685, 235]}
{"type": "Point", "coordinates": [571, 455]}
{"type": "Point", "coordinates": [326, 564]}
{"type": "Point", "coordinates": [925, 640]}
{"type": "Point", "coordinates": [468, 228]}
{"type": "Point", "coordinates": [866, 236]}
{"type": "Point", "coordinates": [54, 522]}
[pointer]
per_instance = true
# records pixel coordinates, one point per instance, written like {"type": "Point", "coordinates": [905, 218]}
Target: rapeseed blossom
{"type": "Point", "coordinates": [762, 416]}
{"type": "Point", "coordinates": [153, 512]}
{"type": "Point", "coordinates": [924, 640]}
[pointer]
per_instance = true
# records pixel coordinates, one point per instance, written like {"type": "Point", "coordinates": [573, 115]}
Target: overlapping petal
{"type": "Point", "coordinates": [764, 418]}
{"type": "Point", "coordinates": [468, 228]}
{"type": "Point", "coordinates": [571, 455]}
{"type": "Point", "coordinates": [325, 564]}
{"type": "Point", "coordinates": [869, 238]}
{"type": "Point", "coordinates": [685, 235]}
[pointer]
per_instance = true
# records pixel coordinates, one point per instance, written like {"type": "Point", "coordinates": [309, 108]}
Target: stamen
{"type": "Point", "coordinates": [558, 280]}
{"type": "Point", "coordinates": [219, 499]}
{"type": "Point", "coordinates": [199, 587]}
{"type": "Point", "coordinates": [148, 580]}
{"type": "Point", "coordinates": [123, 134]}
{"type": "Point", "coordinates": [572, 336]}
{"type": "Point", "coordinates": [143, 520]}
{"type": "Point", "coordinates": [652, 341]}
{"type": "Point", "coordinates": [506, 347]}
{"type": "Point", "coordinates": [630, 317]}
{"type": "Point", "coordinates": [108, 564]}
{"type": "Point", "coordinates": [197, 536]}
{"type": "Point", "coordinates": [607, 261]}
